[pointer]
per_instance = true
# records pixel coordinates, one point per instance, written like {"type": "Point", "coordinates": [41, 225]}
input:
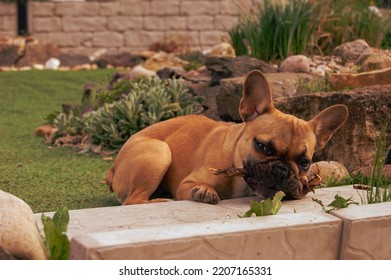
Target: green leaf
{"type": "Point", "coordinates": [56, 241]}
{"type": "Point", "coordinates": [265, 207]}
{"type": "Point", "coordinates": [61, 219]}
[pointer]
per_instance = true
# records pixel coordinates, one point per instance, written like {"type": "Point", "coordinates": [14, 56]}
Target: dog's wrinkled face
{"type": "Point", "coordinates": [276, 148]}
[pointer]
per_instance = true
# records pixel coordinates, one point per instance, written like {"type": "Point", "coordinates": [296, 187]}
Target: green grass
{"type": "Point", "coordinates": [46, 178]}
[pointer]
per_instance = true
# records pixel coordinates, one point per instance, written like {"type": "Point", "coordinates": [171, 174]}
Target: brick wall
{"type": "Point", "coordinates": [84, 26]}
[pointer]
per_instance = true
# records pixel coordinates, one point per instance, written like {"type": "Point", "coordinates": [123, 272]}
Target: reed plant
{"type": "Point", "coordinates": [275, 31]}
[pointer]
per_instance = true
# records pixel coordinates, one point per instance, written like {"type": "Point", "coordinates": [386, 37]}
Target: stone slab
{"type": "Point", "coordinates": [192, 230]}
{"type": "Point", "coordinates": [104, 219]}
{"type": "Point", "coordinates": [366, 232]}
{"type": "Point", "coordinates": [285, 236]}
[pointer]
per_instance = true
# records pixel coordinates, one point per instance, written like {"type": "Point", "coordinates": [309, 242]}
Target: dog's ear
{"type": "Point", "coordinates": [257, 96]}
{"type": "Point", "coordinates": [327, 122]}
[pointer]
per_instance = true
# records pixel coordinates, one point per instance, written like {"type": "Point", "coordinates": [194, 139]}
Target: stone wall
{"type": "Point", "coordinates": [84, 26]}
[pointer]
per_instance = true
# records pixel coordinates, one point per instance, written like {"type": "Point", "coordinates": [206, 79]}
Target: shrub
{"type": "Point", "coordinates": [146, 102]}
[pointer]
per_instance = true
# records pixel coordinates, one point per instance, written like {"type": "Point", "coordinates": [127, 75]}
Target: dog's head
{"type": "Point", "coordinates": [276, 148]}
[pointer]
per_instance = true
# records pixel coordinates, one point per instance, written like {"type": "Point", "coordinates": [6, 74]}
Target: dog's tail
{"type": "Point", "coordinates": [109, 178]}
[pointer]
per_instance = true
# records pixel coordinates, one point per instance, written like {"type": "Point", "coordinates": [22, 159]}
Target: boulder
{"type": "Point", "coordinates": [8, 55]}
{"type": "Point", "coordinates": [351, 51]}
{"type": "Point", "coordinates": [164, 60]}
{"type": "Point", "coordinates": [38, 54]}
{"type": "Point", "coordinates": [229, 67]}
{"type": "Point", "coordinates": [19, 235]}
{"type": "Point", "coordinates": [119, 59]}
{"type": "Point", "coordinates": [353, 144]}
{"type": "Point", "coordinates": [73, 60]}
{"type": "Point", "coordinates": [346, 80]}
{"type": "Point", "coordinates": [230, 91]}
{"type": "Point", "coordinates": [296, 64]}
{"type": "Point", "coordinates": [223, 50]}
{"type": "Point", "coordinates": [373, 61]}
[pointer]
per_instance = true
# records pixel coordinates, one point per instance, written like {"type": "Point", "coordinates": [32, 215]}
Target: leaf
{"type": "Point", "coordinates": [56, 241]}
{"type": "Point", "coordinates": [265, 207]}
{"type": "Point", "coordinates": [61, 219]}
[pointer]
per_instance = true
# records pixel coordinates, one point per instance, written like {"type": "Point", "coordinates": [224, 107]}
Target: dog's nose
{"type": "Point", "coordinates": [280, 172]}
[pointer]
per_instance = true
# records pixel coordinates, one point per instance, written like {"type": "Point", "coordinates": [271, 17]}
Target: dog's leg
{"type": "Point", "coordinates": [201, 192]}
{"type": "Point", "coordinates": [138, 176]}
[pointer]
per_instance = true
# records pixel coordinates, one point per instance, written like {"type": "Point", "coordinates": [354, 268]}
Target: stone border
{"type": "Point", "coordinates": [191, 230]}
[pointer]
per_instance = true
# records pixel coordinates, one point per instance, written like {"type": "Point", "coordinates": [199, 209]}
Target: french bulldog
{"type": "Point", "coordinates": [175, 155]}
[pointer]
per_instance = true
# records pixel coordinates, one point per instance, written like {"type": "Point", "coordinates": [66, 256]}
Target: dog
{"type": "Point", "coordinates": [175, 155]}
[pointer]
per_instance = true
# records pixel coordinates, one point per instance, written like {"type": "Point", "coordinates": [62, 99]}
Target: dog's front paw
{"type": "Point", "coordinates": [204, 193]}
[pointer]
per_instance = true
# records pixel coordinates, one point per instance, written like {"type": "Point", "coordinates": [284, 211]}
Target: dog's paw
{"type": "Point", "coordinates": [204, 193]}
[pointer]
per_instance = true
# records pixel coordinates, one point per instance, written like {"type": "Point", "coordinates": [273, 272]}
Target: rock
{"type": "Point", "coordinates": [223, 49]}
{"type": "Point", "coordinates": [139, 72]}
{"type": "Point", "coordinates": [351, 51]}
{"type": "Point", "coordinates": [38, 54]}
{"type": "Point", "coordinates": [296, 64]}
{"type": "Point", "coordinates": [19, 233]}
{"type": "Point", "coordinates": [230, 91]}
{"type": "Point", "coordinates": [119, 59]}
{"type": "Point", "coordinates": [5, 255]}
{"type": "Point", "coordinates": [327, 170]}
{"type": "Point", "coordinates": [229, 67]}
{"type": "Point", "coordinates": [162, 60]}
{"type": "Point", "coordinates": [53, 64]}
{"type": "Point", "coordinates": [353, 144]}
{"type": "Point", "coordinates": [73, 60]}
{"type": "Point", "coordinates": [367, 171]}
{"type": "Point", "coordinates": [343, 81]}
{"type": "Point", "coordinates": [373, 61]}
{"type": "Point", "coordinates": [8, 55]}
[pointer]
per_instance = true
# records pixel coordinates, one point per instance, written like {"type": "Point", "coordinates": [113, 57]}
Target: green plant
{"type": "Point", "coordinates": [56, 240]}
{"type": "Point", "coordinates": [146, 102]}
{"type": "Point", "coordinates": [196, 59]}
{"type": "Point", "coordinates": [314, 86]}
{"type": "Point", "coordinates": [338, 203]}
{"type": "Point", "coordinates": [276, 31]}
{"type": "Point", "coordinates": [265, 207]}
{"type": "Point", "coordinates": [344, 21]}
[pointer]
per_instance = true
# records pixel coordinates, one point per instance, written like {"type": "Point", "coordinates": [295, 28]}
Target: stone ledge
{"type": "Point", "coordinates": [191, 230]}
{"type": "Point", "coordinates": [366, 232]}
{"type": "Point", "coordinates": [304, 236]}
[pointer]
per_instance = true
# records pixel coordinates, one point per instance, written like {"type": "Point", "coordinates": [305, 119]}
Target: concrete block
{"type": "Point", "coordinates": [41, 9]}
{"type": "Point", "coordinates": [92, 24]}
{"type": "Point", "coordinates": [167, 7]}
{"type": "Point", "coordinates": [366, 232]}
{"type": "Point", "coordinates": [8, 8]}
{"type": "Point", "coordinates": [135, 7]}
{"type": "Point", "coordinates": [108, 39]}
{"type": "Point", "coordinates": [77, 9]}
{"type": "Point", "coordinates": [200, 22]}
{"type": "Point", "coordinates": [46, 24]}
{"type": "Point", "coordinates": [200, 7]}
{"type": "Point", "coordinates": [165, 23]}
{"type": "Point", "coordinates": [124, 23]}
{"type": "Point", "coordinates": [109, 8]}
{"type": "Point", "coordinates": [287, 236]}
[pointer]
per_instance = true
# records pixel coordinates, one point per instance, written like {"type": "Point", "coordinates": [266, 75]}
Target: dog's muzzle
{"type": "Point", "coordinates": [266, 177]}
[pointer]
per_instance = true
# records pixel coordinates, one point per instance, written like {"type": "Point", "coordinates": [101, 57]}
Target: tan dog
{"type": "Point", "coordinates": [176, 155]}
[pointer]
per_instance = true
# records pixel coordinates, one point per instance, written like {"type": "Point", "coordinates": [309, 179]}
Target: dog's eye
{"type": "Point", "coordinates": [261, 147]}
{"type": "Point", "coordinates": [304, 164]}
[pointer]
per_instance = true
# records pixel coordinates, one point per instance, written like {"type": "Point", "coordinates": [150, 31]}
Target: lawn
{"type": "Point", "coordinates": [47, 178]}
